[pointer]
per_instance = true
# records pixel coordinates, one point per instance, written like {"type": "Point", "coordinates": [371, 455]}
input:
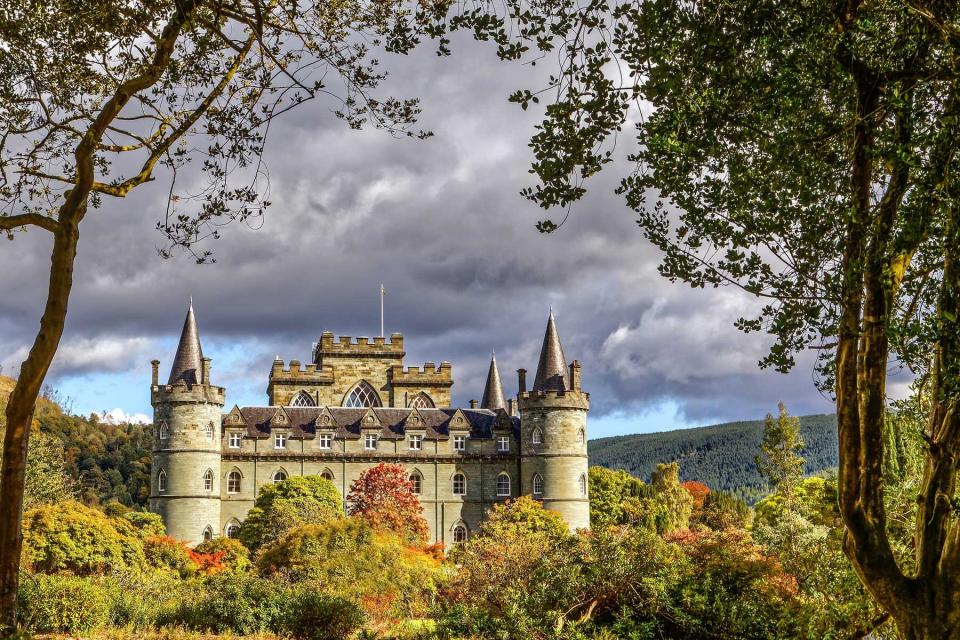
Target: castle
{"type": "Point", "coordinates": [354, 406]}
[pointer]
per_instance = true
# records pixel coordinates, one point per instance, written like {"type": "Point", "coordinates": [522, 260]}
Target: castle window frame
{"type": "Point", "coordinates": [416, 483]}
{"type": "Point", "coordinates": [416, 442]}
{"type": "Point", "coordinates": [232, 530]}
{"type": "Point", "coordinates": [460, 533]}
{"type": "Point", "coordinates": [537, 436]}
{"type": "Point", "coordinates": [280, 440]}
{"type": "Point", "coordinates": [234, 482]}
{"type": "Point", "coordinates": [302, 399]}
{"type": "Point", "coordinates": [583, 484]}
{"type": "Point", "coordinates": [279, 475]}
{"type": "Point", "coordinates": [326, 474]}
{"type": "Point", "coordinates": [362, 395]}
{"type": "Point", "coordinates": [370, 441]}
{"type": "Point", "coordinates": [209, 431]}
{"type": "Point", "coordinates": [582, 436]}
{"type": "Point", "coordinates": [422, 401]}
{"type": "Point", "coordinates": [503, 485]}
{"type": "Point", "coordinates": [235, 440]}
{"type": "Point", "coordinates": [503, 444]}
{"type": "Point", "coordinates": [162, 481]}
{"type": "Point", "coordinates": [325, 440]}
{"type": "Point", "coordinates": [163, 431]}
{"type": "Point", "coordinates": [208, 480]}
{"type": "Point", "coordinates": [459, 484]}
{"type": "Point", "coordinates": [537, 485]}
{"type": "Point", "coordinates": [459, 443]}
{"type": "Point", "coordinates": [208, 534]}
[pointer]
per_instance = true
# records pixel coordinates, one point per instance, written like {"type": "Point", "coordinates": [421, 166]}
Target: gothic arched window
{"type": "Point", "coordinates": [416, 482]}
{"type": "Point", "coordinates": [232, 529]}
{"type": "Point", "coordinates": [362, 395]}
{"type": "Point", "coordinates": [422, 401]}
{"type": "Point", "coordinates": [583, 484]}
{"type": "Point", "coordinates": [459, 533]}
{"type": "Point", "coordinates": [280, 475]}
{"type": "Point", "coordinates": [582, 436]}
{"type": "Point", "coordinates": [163, 431]}
{"type": "Point", "coordinates": [208, 534]}
{"type": "Point", "coordinates": [209, 430]}
{"type": "Point", "coordinates": [302, 399]}
{"type": "Point", "coordinates": [327, 475]}
{"type": "Point", "coordinates": [459, 484]}
{"type": "Point", "coordinates": [208, 480]}
{"type": "Point", "coordinates": [503, 484]}
{"type": "Point", "coordinates": [537, 484]}
{"type": "Point", "coordinates": [233, 482]}
{"type": "Point", "coordinates": [537, 436]}
{"type": "Point", "coordinates": [162, 481]}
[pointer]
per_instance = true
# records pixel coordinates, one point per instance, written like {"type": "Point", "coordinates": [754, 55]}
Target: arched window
{"type": "Point", "coordinates": [582, 436]}
{"type": "Point", "coordinates": [279, 475]}
{"type": "Point", "coordinates": [233, 482]}
{"type": "Point", "coordinates": [326, 474]}
{"type": "Point", "coordinates": [537, 436]}
{"type": "Point", "coordinates": [362, 395]}
{"type": "Point", "coordinates": [302, 399]}
{"type": "Point", "coordinates": [208, 534]}
{"type": "Point", "coordinates": [422, 401]}
{"type": "Point", "coordinates": [416, 482]}
{"type": "Point", "coordinates": [503, 484]}
{"type": "Point", "coordinates": [459, 533]}
{"type": "Point", "coordinates": [232, 529]}
{"type": "Point", "coordinates": [537, 484]}
{"type": "Point", "coordinates": [208, 431]}
{"type": "Point", "coordinates": [208, 480]}
{"type": "Point", "coordinates": [583, 484]}
{"type": "Point", "coordinates": [162, 481]}
{"type": "Point", "coordinates": [163, 431]}
{"type": "Point", "coordinates": [459, 484]}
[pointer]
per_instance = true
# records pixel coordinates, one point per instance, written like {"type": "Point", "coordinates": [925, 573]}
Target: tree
{"type": "Point", "coordinates": [677, 502]}
{"type": "Point", "coordinates": [98, 100]}
{"type": "Point", "coordinates": [806, 153]}
{"type": "Point", "coordinates": [608, 490]}
{"type": "Point", "coordinates": [780, 461]}
{"type": "Point", "coordinates": [383, 496]}
{"type": "Point", "coordinates": [291, 503]}
{"type": "Point", "coordinates": [698, 491]}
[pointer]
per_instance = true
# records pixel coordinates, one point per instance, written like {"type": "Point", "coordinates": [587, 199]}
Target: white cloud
{"type": "Point", "coordinates": [119, 416]}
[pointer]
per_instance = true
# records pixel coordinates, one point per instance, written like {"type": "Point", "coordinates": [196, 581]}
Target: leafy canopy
{"type": "Point", "coordinates": [284, 505]}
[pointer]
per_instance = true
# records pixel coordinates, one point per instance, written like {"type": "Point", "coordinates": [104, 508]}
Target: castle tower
{"type": "Point", "coordinates": [493, 390]}
{"type": "Point", "coordinates": [553, 434]}
{"type": "Point", "coordinates": [185, 478]}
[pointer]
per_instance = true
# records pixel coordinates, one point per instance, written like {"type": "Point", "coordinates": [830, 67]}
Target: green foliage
{"type": "Point", "coordinates": [282, 506]}
{"type": "Point", "coordinates": [64, 604]}
{"type": "Point", "coordinates": [312, 615]}
{"type": "Point", "coordinates": [521, 516]}
{"type": "Point", "coordinates": [146, 523]}
{"type": "Point", "coordinates": [722, 510]}
{"type": "Point", "coordinates": [608, 491]}
{"type": "Point", "coordinates": [144, 600]}
{"type": "Point", "coordinates": [815, 499]}
{"type": "Point", "coordinates": [236, 557]}
{"type": "Point", "coordinates": [231, 602]}
{"type": "Point", "coordinates": [720, 456]}
{"type": "Point", "coordinates": [71, 537]}
{"type": "Point", "coordinates": [780, 461]}
{"type": "Point", "coordinates": [163, 552]}
{"type": "Point", "coordinates": [676, 503]}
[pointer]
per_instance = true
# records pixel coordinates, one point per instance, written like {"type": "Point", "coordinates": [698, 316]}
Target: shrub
{"type": "Point", "coordinates": [143, 599]}
{"type": "Point", "coordinates": [163, 552]}
{"type": "Point", "coordinates": [146, 523]}
{"type": "Point", "coordinates": [71, 537]}
{"type": "Point", "coordinates": [230, 602]}
{"type": "Point", "coordinates": [281, 506]}
{"type": "Point", "coordinates": [234, 556]}
{"type": "Point", "coordinates": [313, 615]}
{"type": "Point", "coordinates": [64, 604]}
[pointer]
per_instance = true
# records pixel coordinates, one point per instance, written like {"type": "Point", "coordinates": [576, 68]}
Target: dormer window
{"type": "Point", "coordinates": [236, 438]}
{"type": "Point", "coordinates": [324, 440]}
{"type": "Point", "coordinates": [280, 440]}
{"type": "Point", "coordinates": [370, 442]}
{"type": "Point", "coordinates": [416, 443]}
{"type": "Point", "coordinates": [459, 443]}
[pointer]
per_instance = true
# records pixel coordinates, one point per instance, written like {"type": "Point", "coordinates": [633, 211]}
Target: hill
{"type": "Point", "coordinates": [721, 456]}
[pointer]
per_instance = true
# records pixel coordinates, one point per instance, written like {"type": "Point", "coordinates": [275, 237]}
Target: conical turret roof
{"type": "Point", "coordinates": [552, 372]}
{"type": "Point", "coordinates": [186, 364]}
{"type": "Point", "coordinates": [493, 391]}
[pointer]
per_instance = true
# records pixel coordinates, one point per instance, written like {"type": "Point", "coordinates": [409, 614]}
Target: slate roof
{"type": "Point", "coordinates": [493, 390]}
{"type": "Point", "coordinates": [187, 362]}
{"type": "Point", "coordinates": [346, 422]}
{"type": "Point", "coordinates": [552, 374]}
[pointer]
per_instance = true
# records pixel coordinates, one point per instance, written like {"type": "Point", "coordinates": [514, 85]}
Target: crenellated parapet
{"type": "Point", "coordinates": [348, 346]}
{"type": "Point", "coordinates": [555, 400]}
{"type": "Point", "coordinates": [427, 376]}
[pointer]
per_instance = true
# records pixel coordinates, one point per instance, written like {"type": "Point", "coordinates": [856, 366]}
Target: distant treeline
{"type": "Point", "coordinates": [721, 456]}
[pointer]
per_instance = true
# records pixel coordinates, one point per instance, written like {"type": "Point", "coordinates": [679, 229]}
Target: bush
{"type": "Point", "coordinates": [64, 604]}
{"type": "Point", "coordinates": [313, 615]}
{"type": "Point", "coordinates": [147, 524]}
{"type": "Point", "coordinates": [144, 599]}
{"type": "Point", "coordinates": [230, 602]}
{"type": "Point", "coordinates": [235, 556]}
{"type": "Point", "coordinates": [163, 552]}
{"type": "Point", "coordinates": [281, 506]}
{"type": "Point", "coordinates": [71, 537]}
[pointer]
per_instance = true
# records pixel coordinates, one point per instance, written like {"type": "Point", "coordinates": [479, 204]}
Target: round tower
{"type": "Point", "coordinates": [553, 434]}
{"type": "Point", "coordinates": [185, 475]}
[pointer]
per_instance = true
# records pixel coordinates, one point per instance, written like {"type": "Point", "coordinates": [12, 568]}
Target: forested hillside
{"type": "Point", "coordinates": [721, 456]}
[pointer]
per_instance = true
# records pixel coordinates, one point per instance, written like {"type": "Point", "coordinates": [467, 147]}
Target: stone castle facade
{"type": "Point", "coordinates": [354, 406]}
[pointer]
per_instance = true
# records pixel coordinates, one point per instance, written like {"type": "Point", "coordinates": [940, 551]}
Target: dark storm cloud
{"type": "Point", "coordinates": [439, 222]}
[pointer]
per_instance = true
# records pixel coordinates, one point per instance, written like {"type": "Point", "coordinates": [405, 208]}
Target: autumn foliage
{"type": "Point", "coordinates": [383, 497]}
{"type": "Point", "coordinates": [698, 491]}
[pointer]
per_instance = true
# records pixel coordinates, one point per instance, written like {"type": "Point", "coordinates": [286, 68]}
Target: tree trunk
{"type": "Point", "coordinates": [22, 401]}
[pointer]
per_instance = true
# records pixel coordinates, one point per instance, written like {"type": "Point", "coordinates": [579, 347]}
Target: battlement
{"type": "Point", "coordinates": [298, 372]}
{"type": "Point", "coordinates": [429, 375]}
{"type": "Point", "coordinates": [180, 392]}
{"type": "Point", "coordinates": [360, 346]}
{"type": "Point", "coordinates": [568, 399]}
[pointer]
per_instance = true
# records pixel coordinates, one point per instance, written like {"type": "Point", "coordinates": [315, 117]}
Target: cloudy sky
{"type": "Point", "coordinates": [441, 224]}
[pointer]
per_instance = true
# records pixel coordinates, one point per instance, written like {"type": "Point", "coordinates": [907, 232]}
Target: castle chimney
{"type": "Point", "coordinates": [155, 376]}
{"type": "Point", "coordinates": [575, 375]}
{"type": "Point", "coordinates": [205, 371]}
{"type": "Point", "coordinates": [473, 404]}
{"type": "Point", "coordinates": [522, 380]}
{"type": "Point", "coordinates": [512, 406]}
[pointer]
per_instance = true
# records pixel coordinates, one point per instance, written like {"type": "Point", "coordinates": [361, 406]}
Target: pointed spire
{"type": "Point", "coordinates": [552, 374]}
{"type": "Point", "coordinates": [187, 364]}
{"type": "Point", "coordinates": [493, 391]}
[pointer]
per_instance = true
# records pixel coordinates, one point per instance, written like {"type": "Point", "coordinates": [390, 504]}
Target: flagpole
{"type": "Point", "coordinates": [383, 292]}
